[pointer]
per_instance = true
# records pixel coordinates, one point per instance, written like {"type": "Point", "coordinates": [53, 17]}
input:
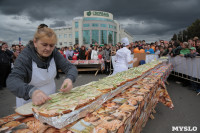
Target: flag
{"type": "Point", "coordinates": [19, 40]}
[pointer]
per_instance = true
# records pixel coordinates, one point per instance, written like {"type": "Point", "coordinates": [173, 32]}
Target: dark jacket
{"type": "Point", "coordinates": [82, 55]}
{"type": "Point", "coordinates": [20, 77]}
{"type": "Point", "coordinates": [176, 51]}
{"type": "Point", "coordinates": [190, 55]}
{"type": "Point", "coordinates": [5, 57]}
{"type": "Point", "coordinates": [107, 54]}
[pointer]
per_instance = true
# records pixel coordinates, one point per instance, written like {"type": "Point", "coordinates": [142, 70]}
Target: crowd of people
{"type": "Point", "coordinates": [160, 48]}
{"type": "Point", "coordinates": [189, 49]}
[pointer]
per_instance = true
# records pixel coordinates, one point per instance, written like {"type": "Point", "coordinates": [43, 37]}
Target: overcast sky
{"type": "Point", "coordinates": [150, 20]}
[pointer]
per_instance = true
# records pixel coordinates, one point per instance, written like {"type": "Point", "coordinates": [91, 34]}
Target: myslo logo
{"type": "Point", "coordinates": [184, 128]}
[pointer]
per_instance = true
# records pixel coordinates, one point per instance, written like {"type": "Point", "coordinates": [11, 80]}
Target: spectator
{"type": "Point", "coordinates": [162, 51]}
{"type": "Point", "coordinates": [191, 43]}
{"type": "Point", "coordinates": [16, 53]}
{"type": "Point", "coordinates": [176, 49]}
{"type": "Point", "coordinates": [185, 49]}
{"type": "Point", "coordinates": [88, 53]}
{"type": "Point", "coordinates": [22, 47]}
{"type": "Point", "coordinates": [153, 46]}
{"type": "Point", "coordinates": [114, 50]}
{"type": "Point", "coordinates": [65, 50]}
{"type": "Point", "coordinates": [13, 48]}
{"type": "Point", "coordinates": [82, 55]}
{"type": "Point", "coordinates": [5, 64]}
{"type": "Point", "coordinates": [62, 52]}
{"type": "Point", "coordinates": [148, 49]}
{"type": "Point", "coordinates": [198, 47]}
{"type": "Point", "coordinates": [69, 53]}
{"type": "Point", "coordinates": [94, 55]}
{"type": "Point", "coordinates": [107, 59]}
{"type": "Point", "coordinates": [76, 53]}
{"type": "Point", "coordinates": [157, 51]}
{"type": "Point", "coordinates": [143, 42]}
{"type": "Point", "coordinates": [192, 53]}
{"type": "Point", "coordinates": [100, 51]}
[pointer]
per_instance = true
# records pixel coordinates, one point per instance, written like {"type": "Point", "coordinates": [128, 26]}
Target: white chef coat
{"type": "Point", "coordinates": [43, 79]}
{"type": "Point", "coordinates": [123, 56]}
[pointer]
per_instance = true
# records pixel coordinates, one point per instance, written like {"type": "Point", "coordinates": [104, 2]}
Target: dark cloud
{"type": "Point", "coordinates": [58, 24]}
{"type": "Point", "coordinates": [160, 17]}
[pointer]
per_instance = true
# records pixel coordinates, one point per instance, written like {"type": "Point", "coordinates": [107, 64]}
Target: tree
{"type": "Point", "coordinates": [180, 36]}
{"type": "Point", "coordinates": [185, 36]}
{"type": "Point", "coordinates": [174, 38]}
{"type": "Point", "coordinates": [194, 29]}
{"type": "Point", "coordinates": [191, 31]}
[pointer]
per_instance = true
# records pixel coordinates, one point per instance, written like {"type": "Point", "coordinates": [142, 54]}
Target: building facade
{"type": "Point", "coordinates": [94, 27]}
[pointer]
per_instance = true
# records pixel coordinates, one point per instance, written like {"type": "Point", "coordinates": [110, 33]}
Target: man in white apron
{"type": "Point", "coordinates": [32, 78]}
{"type": "Point", "coordinates": [123, 57]}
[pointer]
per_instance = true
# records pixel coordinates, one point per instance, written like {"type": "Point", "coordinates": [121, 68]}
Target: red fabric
{"type": "Point", "coordinates": [100, 56]}
{"type": "Point", "coordinates": [74, 57]}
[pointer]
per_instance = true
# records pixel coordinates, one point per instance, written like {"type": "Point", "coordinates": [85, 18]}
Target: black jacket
{"type": "Point", "coordinates": [5, 57]}
{"type": "Point", "coordinates": [82, 55]}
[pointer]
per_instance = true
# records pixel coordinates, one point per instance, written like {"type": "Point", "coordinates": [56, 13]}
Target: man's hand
{"type": "Point", "coordinates": [39, 97]}
{"type": "Point", "coordinates": [182, 55]}
{"type": "Point", "coordinates": [66, 86]}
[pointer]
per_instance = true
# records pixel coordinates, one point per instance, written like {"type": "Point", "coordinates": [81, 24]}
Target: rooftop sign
{"type": "Point", "coordinates": [101, 14]}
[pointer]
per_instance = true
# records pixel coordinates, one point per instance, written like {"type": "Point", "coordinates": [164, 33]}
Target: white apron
{"type": "Point", "coordinates": [123, 56]}
{"type": "Point", "coordinates": [43, 79]}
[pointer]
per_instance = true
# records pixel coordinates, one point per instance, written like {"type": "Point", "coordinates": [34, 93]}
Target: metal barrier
{"type": "Point", "coordinates": [186, 68]}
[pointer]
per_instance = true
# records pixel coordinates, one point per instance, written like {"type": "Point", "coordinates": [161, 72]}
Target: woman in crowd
{"type": "Point", "coordinates": [16, 53]}
{"type": "Point", "coordinates": [94, 55]}
{"type": "Point", "coordinates": [88, 53]}
{"type": "Point", "coordinates": [82, 55]}
{"type": "Point", "coordinates": [69, 53]}
{"type": "Point", "coordinates": [157, 51]}
{"type": "Point", "coordinates": [35, 69]}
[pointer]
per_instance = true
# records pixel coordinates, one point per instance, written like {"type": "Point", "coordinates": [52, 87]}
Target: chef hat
{"type": "Point", "coordinates": [125, 41]}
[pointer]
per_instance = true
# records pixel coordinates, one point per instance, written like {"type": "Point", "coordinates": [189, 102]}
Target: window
{"type": "Point", "coordinates": [110, 37]}
{"type": "Point", "coordinates": [86, 25]}
{"type": "Point", "coordinates": [76, 24]}
{"type": "Point", "coordinates": [60, 43]}
{"type": "Point", "coordinates": [115, 37]}
{"type": "Point", "coordinates": [114, 27]}
{"type": "Point", "coordinates": [103, 34]}
{"type": "Point", "coordinates": [70, 35]}
{"type": "Point", "coordinates": [59, 36]}
{"type": "Point", "coordinates": [65, 43]}
{"type": "Point", "coordinates": [110, 26]}
{"type": "Point", "coordinates": [95, 25]}
{"type": "Point", "coordinates": [65, 35]}
{"type": "Point", "coordinates": [95, 36]}
{"type": "Point", "coordinates": [70, 43]}
{"type": "Point", "coordinates": [76, 37]}
{"type": "Point", "coordinates": [103, 25]}
{"type": "Point", "coordinates": [86, 36]}
{"type": "Point", "coordinates": [101, 19]}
